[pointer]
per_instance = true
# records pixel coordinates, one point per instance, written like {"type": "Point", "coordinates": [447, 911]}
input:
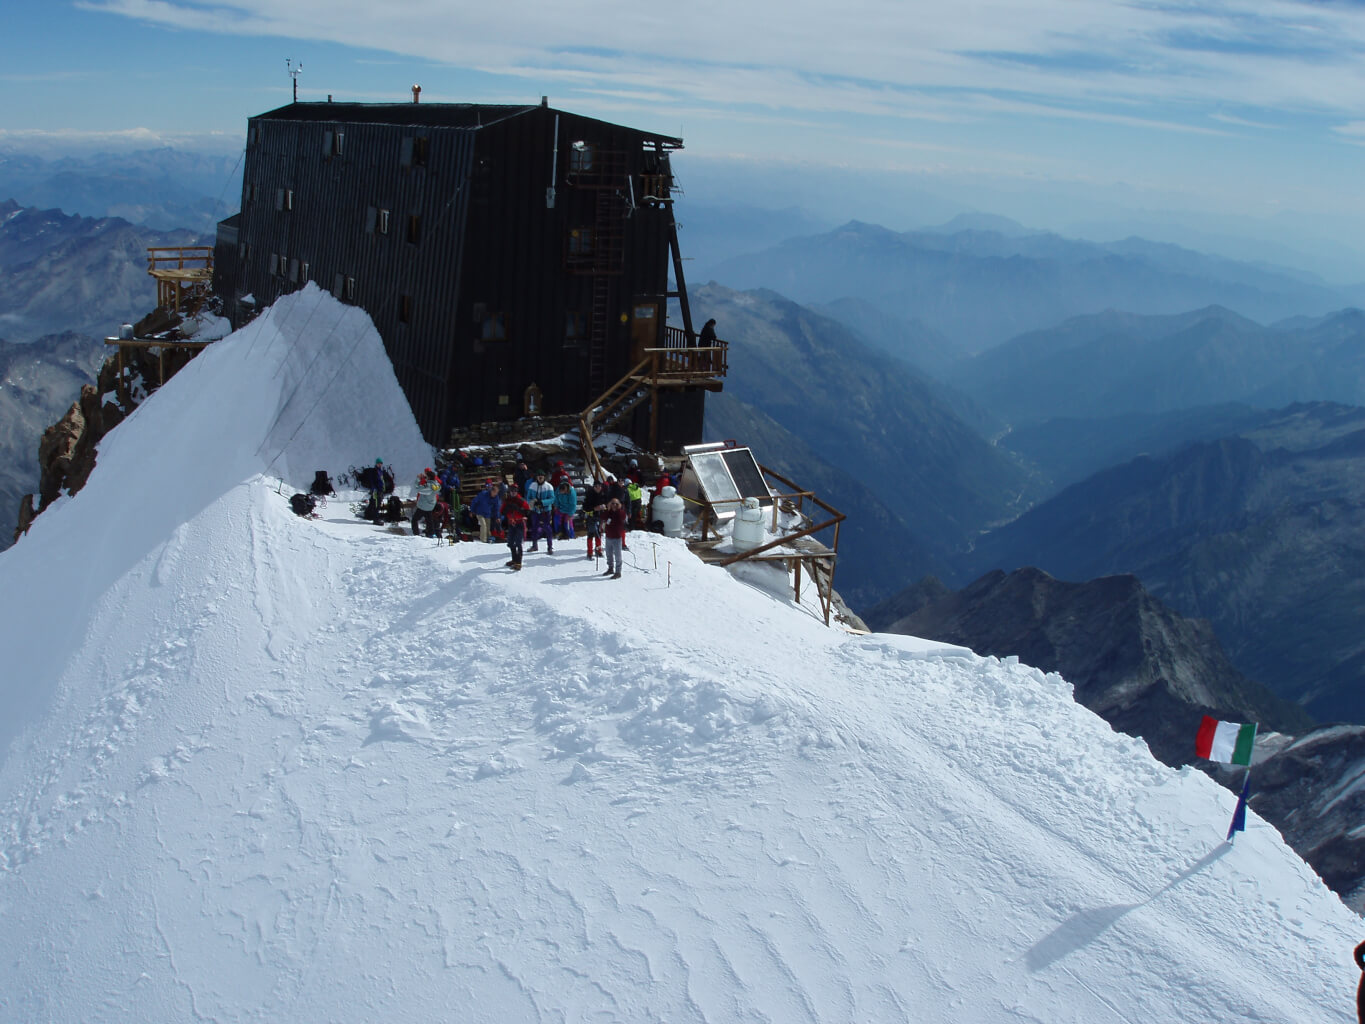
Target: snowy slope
{"type": "Point", "coordinates": [262, 768]}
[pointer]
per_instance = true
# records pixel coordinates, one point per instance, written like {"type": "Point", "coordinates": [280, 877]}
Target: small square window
{"type": "Point", "coordinates": [303, 272]}
{"type": "Point", "coordinates": [494, 327]}
{"type": "Point", "coordinates": [582, 157]}
{"type": "Point", "coordinates": [349, 295]}
{"type": "Point", "coordinates": [575, 329]}
{"type": "Point", "coordinates": [383, 222]}
{"type": "Point", "coordinates": [580, 247]}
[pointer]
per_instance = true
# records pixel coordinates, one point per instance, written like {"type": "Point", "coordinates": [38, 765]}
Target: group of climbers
{"type": "Point", "coordinates": [536, 505]}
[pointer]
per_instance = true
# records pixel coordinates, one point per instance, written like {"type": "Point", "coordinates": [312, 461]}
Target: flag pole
{"type": "Point", "coordinates": [1239, 816]}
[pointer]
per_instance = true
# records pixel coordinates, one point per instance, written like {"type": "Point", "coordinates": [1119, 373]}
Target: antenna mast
{"type": "Point", "coordinates": [294, 73]}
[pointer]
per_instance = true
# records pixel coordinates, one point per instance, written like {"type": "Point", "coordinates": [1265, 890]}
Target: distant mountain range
{"type": "Point", "coordinates": [1145, 669]}
{"type": "Point", "coordinates": [885, 434]}
{"type": "Point", "coordinates": [66, 273]}
{"type": "Point", "coordinates": [65, 283]}
{"type": "Point", "coordinates": [980, 288]}
{"type": "Point", "coordinates": [163, 189]}
{"type": "Point", "coordinates": [1262, 533]}
{"type": "Point", "coordinates": [1115, 364]}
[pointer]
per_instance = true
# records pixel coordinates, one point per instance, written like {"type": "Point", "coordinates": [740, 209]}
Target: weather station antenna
{"type": "Point", "coordinates": [294, 72]}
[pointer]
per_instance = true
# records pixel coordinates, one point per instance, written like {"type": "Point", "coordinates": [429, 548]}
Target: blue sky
{"type": "Point", "coordinates": [1229, 111]}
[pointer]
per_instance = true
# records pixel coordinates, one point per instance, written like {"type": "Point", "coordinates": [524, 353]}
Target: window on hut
{"type": "Point", "coordinates": [582, 157]}
{"type": "Point", "coordinates": [575, 329]}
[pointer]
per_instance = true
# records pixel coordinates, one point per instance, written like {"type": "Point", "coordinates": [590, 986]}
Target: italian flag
{"type": "Point", "coordinates": [1229, 742]}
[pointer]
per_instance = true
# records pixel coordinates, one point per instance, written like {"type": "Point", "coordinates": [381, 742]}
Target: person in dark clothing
{"type": "Point", "coordinates": [707, 338]}
{"type": "Point", "coordinates": [514, 511]}
{"type": "Point", "coordinates": [616, 491]}
{"type": "Point", "coordinates": [521, 475]}
{"type": "Point", "coordinates": [594, 502]}
{"type": "Point", "coordinates": [372, 479]}
{"type": "Point", "coordinates": [450, 485]}
{"type": "Point", "coordinates": [615, 529]}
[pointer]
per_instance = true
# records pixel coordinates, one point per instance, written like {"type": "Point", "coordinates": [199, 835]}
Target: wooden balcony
{"type": "Point", "coordinates": [183, 273]}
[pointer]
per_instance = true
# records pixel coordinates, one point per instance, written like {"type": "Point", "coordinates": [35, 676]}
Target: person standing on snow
{"type": "Point", "coordinates": [541, 497]}
{"type": "Point", "coordinates": [615, 529]}
{"type": "Point", "coordinates": [566, 507]}
{"type": "Point", "coordinates": [514, 511]}
{"type": "Point", "coordinates": [594, 504]}
{"type": "Point", "coordinates": [450, 485]}
{"type": "Point", "coordinates": [428, 494]}
{"type": "Point", "coordinates": [484, 506]}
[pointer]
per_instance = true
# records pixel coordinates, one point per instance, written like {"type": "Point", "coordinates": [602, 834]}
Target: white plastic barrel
{"type": "Point", "coordinates": [668, 509]}
{"type": "Point", "coordinates": [748, 532]}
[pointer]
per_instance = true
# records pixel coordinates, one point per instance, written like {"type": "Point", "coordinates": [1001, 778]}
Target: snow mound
{"type": "Point", "coordinates": [283, 769]}
{"type": "Point", "coordinates": [305, 386]}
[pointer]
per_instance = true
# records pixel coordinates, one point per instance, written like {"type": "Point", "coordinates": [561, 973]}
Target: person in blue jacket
{"type": "Point", "coordinates": [566, 507]}
{"type": "Point", "coordinates": [541, 497]}
{"type": "Point", "coordinates": [450, 485]}
{"type": "Point", "coordinates": [485, 507]}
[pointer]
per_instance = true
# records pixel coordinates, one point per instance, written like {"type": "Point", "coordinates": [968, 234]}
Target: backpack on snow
{"type": "Point", "coordinates": [303, 504]}
{"type": "Point", "coordinates": [322, 484]}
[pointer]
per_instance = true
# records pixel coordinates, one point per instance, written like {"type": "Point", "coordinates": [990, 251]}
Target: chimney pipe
{"type": "Point", "coordinates": [545, 101]}
{"type": "Point", "coordinates": [416, 91]}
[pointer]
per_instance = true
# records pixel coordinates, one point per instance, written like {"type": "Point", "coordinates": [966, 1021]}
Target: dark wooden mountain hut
{"type": "Point", "coordinates": [506, 253]}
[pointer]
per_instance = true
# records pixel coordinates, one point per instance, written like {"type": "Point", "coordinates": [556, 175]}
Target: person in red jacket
{"type": "Point", "coordinates": [514, 511]}
{"type": "Point", "coordinates": [614, 528]}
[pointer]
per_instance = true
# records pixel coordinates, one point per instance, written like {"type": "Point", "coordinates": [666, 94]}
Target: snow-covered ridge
{"type": "Point", "coordinates": [270, 769]}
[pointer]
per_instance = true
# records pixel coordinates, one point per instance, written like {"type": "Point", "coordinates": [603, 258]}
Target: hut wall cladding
{"type": "Point", "coordinates": [334, 226]}
{"type": "Point", "coordinates": [520, 268]}
{"type": "Point", "coordinates": [485, 243]}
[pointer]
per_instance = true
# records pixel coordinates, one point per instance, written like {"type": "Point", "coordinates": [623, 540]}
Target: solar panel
{"type": "Point", "coordinates": [726, 476]}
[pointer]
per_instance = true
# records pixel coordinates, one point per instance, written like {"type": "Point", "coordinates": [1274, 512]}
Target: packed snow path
{"type": "Point", "coordinates": [318, 771]}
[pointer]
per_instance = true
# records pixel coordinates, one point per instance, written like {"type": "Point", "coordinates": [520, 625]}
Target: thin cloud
{"type": "Point", "coordinates": [1153, 65]}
